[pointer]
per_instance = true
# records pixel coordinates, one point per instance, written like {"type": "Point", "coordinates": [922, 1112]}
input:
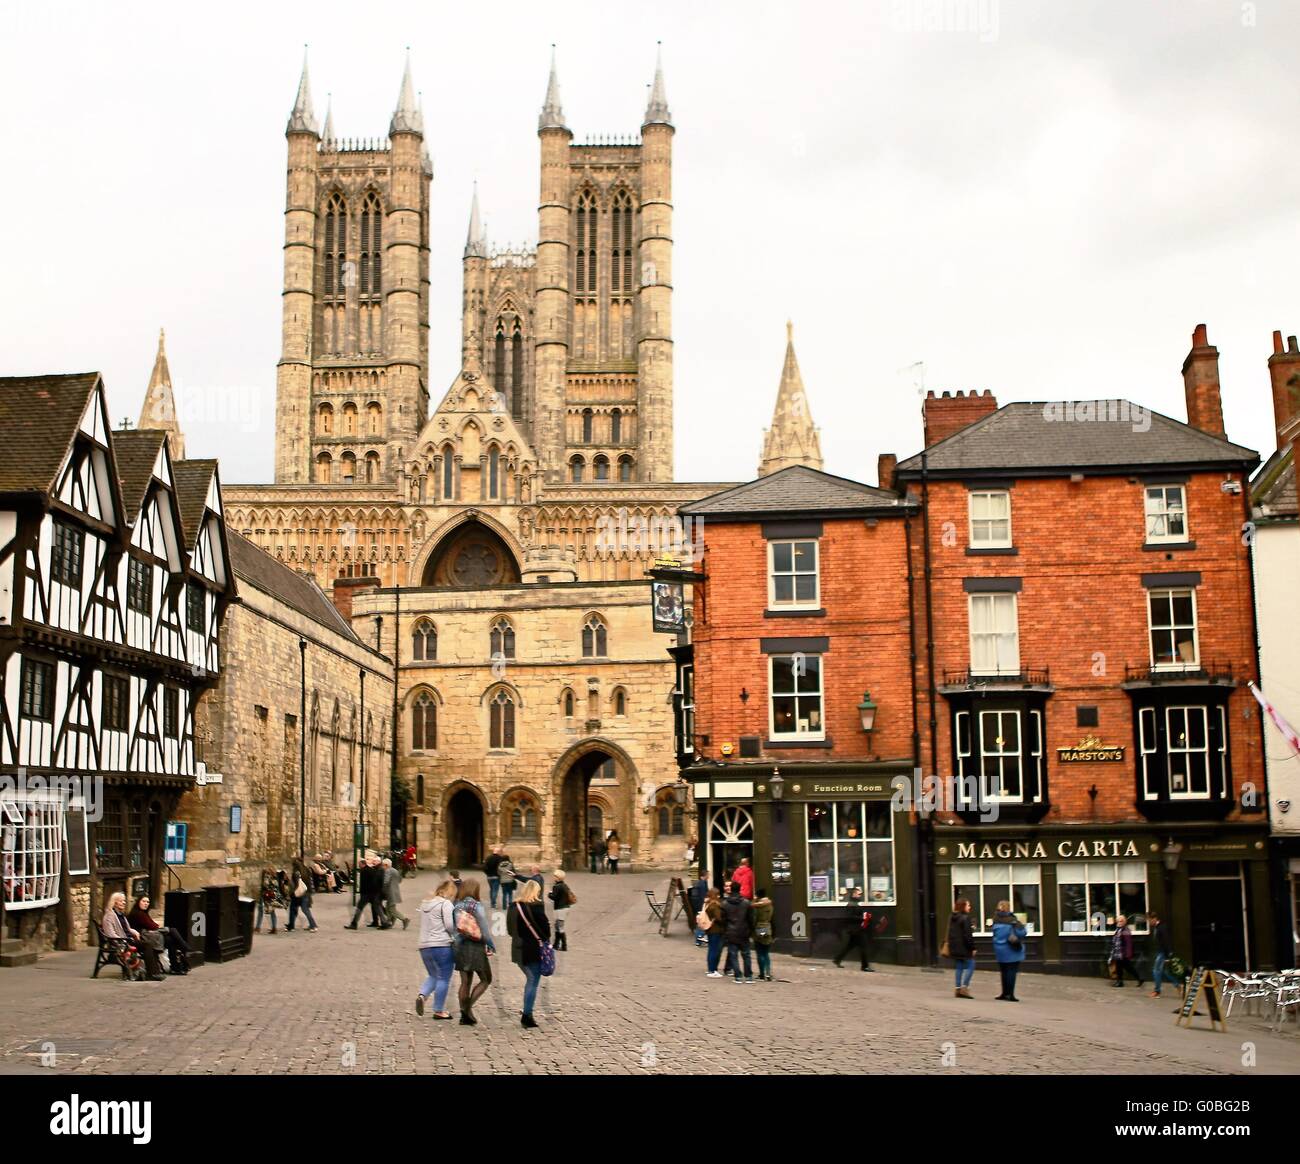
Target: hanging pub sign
{"type": "Point", "coordinates": [668, 606]}
{"type": "Point", "coordinates": [1091, 749]}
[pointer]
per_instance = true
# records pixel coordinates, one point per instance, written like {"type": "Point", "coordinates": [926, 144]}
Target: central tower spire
{"type": "Point", "coordinates": [552, 116]}
{"type": "Point", "coordinates": [793, 439]}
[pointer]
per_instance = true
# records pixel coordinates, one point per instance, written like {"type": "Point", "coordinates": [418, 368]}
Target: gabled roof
{"type": "Point", "coordinates": [192, 479]}
{"type": "Point", "coordinates": [1273, 492]}
{"type": "Point", "coordinates": [136, 453]}
{"type": "Point", "coordinates": [797, 491]}
{"type": "Point", "coordinates": [39, 416]}
{"type": "Point", "coordinates": [1053, 437]}
{"type": "Point", "coordinates": [297, 591]}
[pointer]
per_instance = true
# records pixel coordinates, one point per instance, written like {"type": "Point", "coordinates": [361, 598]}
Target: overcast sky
{"type": "Point", "coordinates": [1042, 200]}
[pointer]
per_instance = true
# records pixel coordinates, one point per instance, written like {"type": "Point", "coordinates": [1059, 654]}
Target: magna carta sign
{"type": "Point", "coordinates": [1088, 749]}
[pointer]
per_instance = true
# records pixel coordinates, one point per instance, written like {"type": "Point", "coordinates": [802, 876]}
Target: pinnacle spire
{"type": "Point", "coordinates": [327, 130]}
{"type": "Point", "coordinates": [552, 116]}
{"type": "Point", "coordinates": [302, 119]}
{"type": "Point", "coordinates": [406, 117]}
{"type": "Point", "coordinates": [793, 439]}
{"type": "Point", "coordinates": [476, 240]}
{"type": "Point", "coordinates": [159, 409]}
{"type": "Point", "coordinates": [656, 110]}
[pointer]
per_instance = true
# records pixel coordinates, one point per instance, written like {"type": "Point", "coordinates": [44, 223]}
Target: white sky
{"type": "Point", "coordinates": [1044, 206]}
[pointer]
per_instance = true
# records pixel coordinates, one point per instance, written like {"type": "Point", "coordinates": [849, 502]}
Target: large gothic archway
{"type": "Point", "coordinates": [615, 794]}
{"type": "Point", "coordinates": [472, 556]}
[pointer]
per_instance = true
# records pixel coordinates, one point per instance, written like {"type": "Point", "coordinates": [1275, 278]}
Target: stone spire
{"type": "Point", "coordinates": [159, 411]}
{"type": "Point", "coordinates": [552, 116]}
{"type": "Point", "coordinates": [407, 117]}
{"type": "Point", "coordinates": [656, 111]}
{"type": "Point", "coordinates": [476, 246]}
{"type": "Point", "coordinates": [426, 159]}
{"type": "Point", "coordinates": [327, 130]}
{"type": "Point", "coordinates": [793, 438]}
{"type": "Point", "coordinates": [302, 119]}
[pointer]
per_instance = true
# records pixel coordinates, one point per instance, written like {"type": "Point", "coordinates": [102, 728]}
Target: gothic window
{"type": "Point", "coordinates": [517, 371]}
{"type": "Point", "coordinates": [325, 421]}
{"type": "Point", "coordinates": [620, 266]}
{"type": "Point", "coordinates": [615, 426]}
{"type": "Point", "coordinates": [625, 468]}
{"type": "Point", "coordinates": [670, 817]}
{"type": "Point", "coordinates": [374, 417]}
{"type": "Point", "coordinates": [424, 642]}
{"type": "Point", "coordinates": [523, 814]}
{"type": "Point", "coordinates": [349, 461]}
{"type": "Point", "coordinates": [600, 468]}
{"type": "Point", "coordinates": [575, 469]}
{"type": "Point", "coordinates": [448, 473]}
{"type": "Point", "coordinates": [324, 469]}
{"type": "Point", "coordinates": [424, 723]}
{"type": "Point", "coordinates": [371, 246]}
{"type": "Point", "coordinates": [419, 789]}
{"type": "Point", "coordinates": [594, 638]}
{"type": "Point", "coordinates": [336, 236]}
{"type": "Point", "coordinates": [620, 701]}
{"type": "Point", "coordinates": [568, 703]}
{"type": "Point", "coordinates": [502, 720]}
{"type": "Point", "coordinates": [502, 640]}
{"type": "Point", "coordinates": [587, 419]}
{"type": "Point", "coordinates": [494, 473]}
{"type": "Point", "coordinates": [349, 419]}
{"type": "Point", "coordinates": [585, 273]}
{"type": "Point", "coordinates": [499, 357]}
{"type": "Point", "coordinates": [372, 468]}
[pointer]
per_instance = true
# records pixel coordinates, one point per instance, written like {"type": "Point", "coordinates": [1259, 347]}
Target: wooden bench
{"type": "Point", "coordinates": [110, 952]}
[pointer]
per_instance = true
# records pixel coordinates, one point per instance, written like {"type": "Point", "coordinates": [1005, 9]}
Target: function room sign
{"type": "Point", "coordinates": [1090, 749]}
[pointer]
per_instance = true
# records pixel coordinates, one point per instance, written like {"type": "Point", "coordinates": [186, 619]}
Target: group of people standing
{"type": "Point", "coordinates": [605, 854]}
{"type": "Point", "coordinates": [736, 917]}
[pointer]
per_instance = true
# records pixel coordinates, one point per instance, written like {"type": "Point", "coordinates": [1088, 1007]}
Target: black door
{"type": "Point", "coordinates": [1218, 938]}
{"type": "Point", "coordinates": [464, 830]}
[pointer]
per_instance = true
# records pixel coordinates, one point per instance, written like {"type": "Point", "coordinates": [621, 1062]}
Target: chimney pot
{"type": "Point", "coordinates": [1200, 338]}
{"type": "Point", "coordinates": [1283, 372]}
{"type": "Point", "coordinates": [1277, 343]}
{"type": "Point", "coordinates": [1291, 344]}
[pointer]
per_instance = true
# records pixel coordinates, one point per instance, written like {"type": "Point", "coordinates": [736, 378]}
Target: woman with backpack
{"type": "Point", "coordinates": [437, 948]}
{"type": "Point", "coordinates": [710, 921]}
{"type": "Point", "coordinates": [528, 928]}
{"type": "Point", "coordinates": [1008, 949]}
{"type": "Point", "coordinates": [474, 946]}
{"type": "Point", "coordinates": [960, 946]}
{"type": "Point", "coordinates": [506, 875]}
{"type": "Point", "coordinates": [763, 935]}
{"type": "Point", "coordinates": [562, 899]}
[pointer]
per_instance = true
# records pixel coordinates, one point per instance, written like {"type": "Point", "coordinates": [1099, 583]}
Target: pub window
{"type": "Point", "coordinates": [850, 852]}
{"type": "Point", "coordinates": [31, 849]}
{"type": "Point", "coordinates": [171, 712]}
{"type": "Point", "coordinates": [792, 574]}
{"type": "Point", "coordinates": [594, 638]}
{"type": "Point", "coordinates": [1166, 513]}
{"type": "Point", "coordinates": [1093, 892]}
{"type": "Point", "coordinates": [686, 714]}
{"type": "Point", "coordinates": [116, 691]}
{"type": "Point", "coordinates": [1172, 615]}
{"type": "Point", "coordinates": [990, 519]}
{"type": "Point", "coordinates": [37, 700]}
{"type": "Point", "coordinates": [424, 642]}
{"type": "Point", "coordinates": [424, 723]}
{"type": "Point", "coordinates": [796, 700]}
{"type": "Point", "coordinates": [139, 585]}
{"type": "Point", "coordinates": [1005, 753]}
{"type": "Point", "coordinates": [502, 640]}
{"type": "Point", "coordinates": [994, 635]}
{"type": "Point", "coordinates": [501, 728]}
{"type": "Point", "coordinates": [65, 556]}
{"type": "Point", "coordinates": [986, 885]}
{"type": "Point", "coordinates": [194, 608]}
{"type": "Point", "coordinates": [1184, 752]}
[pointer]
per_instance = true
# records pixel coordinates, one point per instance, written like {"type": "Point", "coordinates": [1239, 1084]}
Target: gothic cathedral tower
{"type": "Point", "coordinates": [577, 337]}
{"type": "Point", "coordinates": [352, 384]}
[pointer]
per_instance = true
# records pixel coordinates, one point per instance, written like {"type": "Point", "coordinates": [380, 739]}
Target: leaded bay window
{"type": "Point", "coordinates": [796, 697]}
{"type": "Point", "coordinates": [37, 696]}
{"type": "Point", "coordinates": [792, 574]}
{"type": "Point", "coordinates": [116, 692]}
{"type": "Point", "coordinates": [1000, 753]}
{"type": "Point", "coordinates": [1092, 893]}
{"type": "Point", "coordinates": [1172, 621]}
{"type": "Point", "coordinates": [139, 585]}
{"type": "Point", "coordinates": [31, 849]}
{"type": "Point", "coordinates": [994, 634]}
{"type": "Point", "coordinates": [1182, 751]}
{"type": "Point", "coordinates": [984, 885]}
{"type": "Point", "coordinates": [990, 519]}
{"type": "Point", "coordinates": [194, 608]}
{"type": "Point", "coordinates": [850, 852]}
{"type": "Point", "coordinates": [65, 554]}
{"type": "Point", "coordinates": [1166, 513]}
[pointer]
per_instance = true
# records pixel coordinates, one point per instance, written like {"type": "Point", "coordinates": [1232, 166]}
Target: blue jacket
{"type": "Point", "coordinates": [1004, 925]}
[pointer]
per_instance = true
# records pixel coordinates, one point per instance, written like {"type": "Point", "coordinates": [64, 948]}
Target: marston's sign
{"type": "Point", "coordinates": [1038, 850]}
{"type": "Point", "coordinates": [1089, 749]}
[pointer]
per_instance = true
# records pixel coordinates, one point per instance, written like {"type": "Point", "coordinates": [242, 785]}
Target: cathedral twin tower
{"type": "Point", "coordinates": [574, 337]}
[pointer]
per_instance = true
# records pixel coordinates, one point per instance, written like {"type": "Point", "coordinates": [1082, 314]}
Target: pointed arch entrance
{"type": "Point", "coordinates": [463, 819]}
{"type": "Point", "coordinates": [594, 774]}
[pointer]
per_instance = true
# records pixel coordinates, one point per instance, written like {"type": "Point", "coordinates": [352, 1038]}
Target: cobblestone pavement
{"type": "Point", "coordinates": [624, 1000]}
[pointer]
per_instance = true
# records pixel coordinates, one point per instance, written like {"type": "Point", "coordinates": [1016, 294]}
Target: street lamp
{"type": "Point", "coordinates": [867, 712]}
{"type": "Point", "coordinates": [777, 784]}
{"type": "Point", "coordinates": [1172, 852]}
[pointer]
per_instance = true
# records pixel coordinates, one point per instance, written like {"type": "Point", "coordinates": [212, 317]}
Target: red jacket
{"type": "Point", "coordinates": [743, 878]}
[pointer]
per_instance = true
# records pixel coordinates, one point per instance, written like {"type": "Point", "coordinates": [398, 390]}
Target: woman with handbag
{"type": "Point", "coordinates": [960, 946]}
{"type": "Point", "coordinates": [763, 910]}
{"type": "Point", "coordinates": [474, 945]}
{"type": "Point", "coordinates": [710, 921]}
{"type": "Point", "coordinates": [300, 901]}
{"type": "Point", "coordinates": [1008, 948]}
{"type": "Point", "coordinates": [529, 946]}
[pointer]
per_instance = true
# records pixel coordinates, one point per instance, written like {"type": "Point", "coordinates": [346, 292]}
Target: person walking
{"type": "Point", "coordinates": [597, 852]}
{"type": "Point", "coordinates": [370, 892]}
{"type": "Point", "coordinates": [1121, 952]}
{"type": "Point", "coordinates": [697, 893]}
{"type": "Point", "coordinates": [763, 910]}
{"type": "Point", "coordinates": [508, 878]}
{"type": "Point", "coordinates": [474, 946]}
{"type": "Point", "coordinates": [562, 900]}
{"type": "Point", "coordinates": [961, 946]}
{"type": "Point", "coordinates": [528, 928]}
{"type": "Point", "coordinates": [714, 934]}
{"type": "Point", "coordinates": [743, 879]}
{"type": "Point", "coordinates": [490, 871]}
{"type": "Point", "coordinates": [300, 898]}
{"type": "Point", "coordinates": [738, 922]}
{"type": "Point", "coordinates": [271, 898]}
{"type": "Point", "coordinates": [613, 847]}
{"type": "Point", "coordinates": [393, 895]}
{"type": "Point", "coordinates": [857, 932]}
{"type": "Point", "coordinates": [1164, 951]}
{"type": "Point", "coordinates": [437, 948]}
{"type": "Point", "coordinates": [1008, 948]}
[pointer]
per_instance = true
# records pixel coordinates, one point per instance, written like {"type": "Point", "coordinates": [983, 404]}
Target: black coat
{"type": "Point", "coordinates": [1163, 944]}
{"type": "Point", "coordinates": [371, 881]}
{"type": "Point", "coordinates": [961, 936]}
{"type": "Point", "coordinates": [524, 948]}
{"type": "Point", "coordinates": [490, 865]}
{"type": "Point", "coordinates": [738, 919]}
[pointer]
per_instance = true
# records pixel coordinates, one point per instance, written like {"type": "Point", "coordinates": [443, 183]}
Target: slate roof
{"type": "Point", "coordinates": [297, 591]}
{"type": "Point", "coordinates": [38, 421]}
{"type": "Point", "coordinates": [192, 479]}
{"type": "Point", "coordinates": [1273, 492]}
{"type": "Point", "coordinates": [135, 451]}
{"type": "Point", "coordinates": [1025, 436]}
{"type": "Point", "coordinates": [797, 491]}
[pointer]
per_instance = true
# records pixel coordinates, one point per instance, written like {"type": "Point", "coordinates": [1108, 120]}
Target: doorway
{"type": "Point", "coordinates": [1218, 921]}
{"type": "Point", "coordinates": [731, 837]}
{"type": "Point", "coordinates": [464, 830]}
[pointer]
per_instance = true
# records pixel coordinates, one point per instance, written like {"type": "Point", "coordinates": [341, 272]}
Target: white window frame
{"type": "Point", "coordinates": [793, 603]}
{"type": "Point", "coordinates": [1065, 876]}
{"type": "Point", "coordinates": [686, 729]}
{"type": "Point", "coordinates": [773, 695]}
{"type": "Point", "coordinates": [1167, 592]}
{"type": "Point", "coordinates": [1147, 744]}
{"type": "Point", "coordinates": [985, 526]}
{"type": "Point", "coordinates": [992, 597]}
{"type": "Point", "coordinates": [31, 853]}
{"type": "Point", "coordinates": [836, 842]}
{"type": "Point", "coordinates": [1156, 509]}
{"type": "Point", "coordinates": [972, 873]}
{"type": "Point", "coordinates": [1171, 751]}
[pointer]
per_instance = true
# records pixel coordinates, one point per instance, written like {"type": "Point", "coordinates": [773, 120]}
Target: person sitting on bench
{"type": "Point", "coordinates": [177, 947]}
{"type": "Point", "coordinates": [115, 925]}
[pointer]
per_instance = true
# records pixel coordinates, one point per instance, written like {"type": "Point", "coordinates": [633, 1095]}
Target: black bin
{"type": "Point", "coordinates": [186, 911]}
{"type": "Point", "coordinates": [247, 905]}
{"type": "Point", "coordinates": [224, 940]}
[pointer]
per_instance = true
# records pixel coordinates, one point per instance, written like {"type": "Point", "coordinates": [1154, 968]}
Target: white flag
{"type": "Point", "coordinates": [1285, 728]}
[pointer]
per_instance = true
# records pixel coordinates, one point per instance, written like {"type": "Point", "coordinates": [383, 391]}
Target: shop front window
{"type": "Point", "coordinates": [850, 852]}
{"type": "Point", "coordinates": [986, 885]}
{"type": "Point", "coordinates": [31, 850]}
{"type": "Point", "coordinates": [1093, 892]}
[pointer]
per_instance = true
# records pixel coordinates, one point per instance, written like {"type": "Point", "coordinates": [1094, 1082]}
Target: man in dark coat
{"type": "Point", "coordinates": [857, 932]}
{"type": "Point", "coordinates": [738, 924]}
{"type": "Point", "coordinates": [370, 892]}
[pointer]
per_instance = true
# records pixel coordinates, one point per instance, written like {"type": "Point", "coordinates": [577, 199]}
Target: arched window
{"type": "Point", "coordinates": [594, 638]}
{"type": "Point", "coordinates": [502, 639]}
{"type": "Point", "coordinates": [494, 472]}
{"type": "Point", "coordinates": [325, 420]}
{"type": "Point", "coordinates": [517, 371]}
{"type": "Point", "coordinates": [575, 470]}
{"type": "Point", "coordinates": [372, 468]}
{"type": "Point", "coordinates": [587, 419]}
{"type": "Point", "coordinates": [585, 270]}
{"type": "Point", "coordinates": [616, 426]}
{"type": "Point", "coordinates": [620, 701]}
{"type": "Point", "coordinates": [499, 358]}
{"type": "Point", "coordinates": [375, 417]}
{"type": "Point", "coordinates": [448, 473]}
{"type": "Point", "coordinates": [600, 468]}
{"type": "Point", "coordinates": [424, 642]}
{"type": "Point", "coordinates": [625, 468]}
{"type": "Point", "coordinates": [424, 723]}
{"type": "Point", "coordinates": [324, 469]}
{"type": "Point", "coordinates": [419, 789]}
{"type": "Point", "coordinates": [620, 237]}
{"type": "Point", "coordinates": [349, 419]}
{"type": "Point", "coordinates": [501, 733]}
{"type": "Point", "coordinates": [371, 247]}
{"type": "Point", "coordinates": [336, 243]}
{"type": "Point", "coordinates": [670, 816]}
{"type": "Point", "coordinates": [568, 703]}
{"type": "Point", "coordinates": [523, 814]}
{"type": "Point", "coordinates": [349, 461]}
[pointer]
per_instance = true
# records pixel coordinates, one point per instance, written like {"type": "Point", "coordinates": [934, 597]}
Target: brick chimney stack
{"type": "Point", "coordinates": [885, 466]}
{"type": "Point", "coordinates": [1284, 372]}
{"type": "Point", "coordinates": [953, 411]}
{"type": "Point", "coordinates": [344, 589]}
{"type": "Point", "coordinates": [1201, 384]}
